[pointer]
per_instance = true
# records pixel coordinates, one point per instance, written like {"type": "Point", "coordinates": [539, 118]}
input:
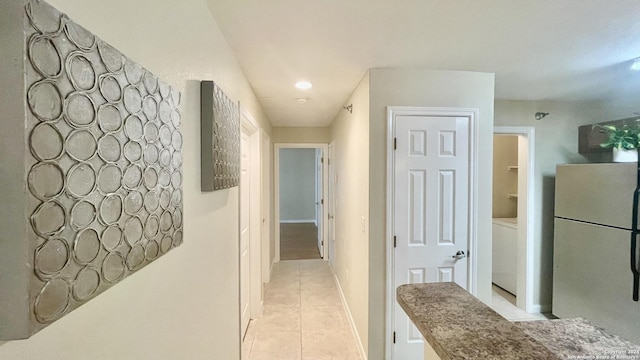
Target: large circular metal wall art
{"type": "Point", "coordinates": [103, 167]}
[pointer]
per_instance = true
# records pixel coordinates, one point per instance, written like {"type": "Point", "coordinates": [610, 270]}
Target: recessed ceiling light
{"type": "Point", "coordinates": [635, 66]}
{"type": "Point", "coordinates": [303, 85]}
{"type": "Point", "coordinates": [302, 100]}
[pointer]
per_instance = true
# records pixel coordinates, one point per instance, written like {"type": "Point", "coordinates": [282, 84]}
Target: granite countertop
{"type": "Point", "coordinates": [459, 326]}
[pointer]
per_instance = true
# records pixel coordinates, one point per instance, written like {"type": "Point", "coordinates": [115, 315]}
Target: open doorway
{"type": "Point", "coordinates": [512, 253]}
{"type": "Point", "coordinates": [300, 209]}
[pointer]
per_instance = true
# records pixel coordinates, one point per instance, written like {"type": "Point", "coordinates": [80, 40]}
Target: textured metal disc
{"type": "Point", "coordinates": [111, 237]}
{"type": "Point", "coordinates": [152, 250]}
{"type": "Point", "coordinates": [48, 219]}
{"type": "Point", "coordinates": [81, 72]}
{"type": "Point", "coordinates": [83, 214]}
{"type": "Point", "coordinates": [132, 99]}
{"type": "Point", "coordinates": [133, 72]}
{"type": "Point", "coordinates": [109, 118]}
{"type": "Point", "coordinates": [109, 148]}
{"type": "Point", "coordinates": [46, 142]}
{"type": "Point", "coordinates": [111, 57]}
{"type": "Point", "coordinates": [164, 179]}
{"type": "Point", "coordinates": [151, 201]}
{"type": "Point", "coordinates": [80, 110]}
{"type": "Point", "coordinates": [176, 97]}
{"type": "Point", "coordinates": [150, 178]}
{"type": "Point", "coordinates": [177, 238]}
{"type": "Point", "coordinates": [113, 268]}
{"type": "Point", "coordinates": [133, 151]}
{"type": "Point", "coordinates": [86, 247]}
{"type": "Point", "coordinates": [166, 221]}
{"type": "Point", "coordinates": [81, 145]}
{"type": "Point", "coordinates": [133, 203]}
{"type": "Point", "coordinates": [165, 199]}
{"type": "Point", "coordinates": [135, 257]}
{"type": "Point", "coordinates": [176, 140]}
{"type": "Point", "coordinates": [151, 132]}
{"type": "Point", "coordinates": [132, 177]}
{"type": "Point", "coordinates": [165, 157]}
{"type": "Point", "coordinates": [165, 135]}
{"type": "Point", "coordinates": [165, 90]}
{"type": "Point", "coordinates": [40, 17]}
{"type": "Point", "coordinates": [46, 180]}
{"type": "Point", "coordinates": [164, 111]}
{"type": "Point", "coordinates": [177, 218]}
{"type": "Point", "coordinates": [109, 179]}
{"type": "Point", "coordinates": [151, 154]}
{"type": "Point", "coordinates": [176, 197]}
{"type": "Point", "coordinates": [176, 159]}
{"type": "Point", "coordinates": [150, 82]}
{"type": "Point", "coordinates": [52, 256]}
{"type": "Point", "coordinates": [52, 301]}
{"type": "Point", "coordinates": [165, 243]}
{"type": "Point", "coordinates": [86, 284]}
{"type": "Point", "coordinates": [176, 118]}
{"type": "Point", "coordinates": [79, 36]}
{"type": "Point", "coordinates": [133, 230]}
{"type": "Point", "coordinates": [150, 107]}
{"type": "Point", "coordinates": [45, 100]}
{"type": "Point", "coordinates": [176, 179]}
{"type": "Point", "coordinates": [81, 180]}
{"type": "Point", "coordinates": [133, 128]}
{"type": "Point", "coordinates": [110, 88]}
{"type": "Point", "coordinates": [45, 56]}
{"type": "Point", "coordinates": [111, 209]}
{"type": "Point", "coordinates": [152, 227]}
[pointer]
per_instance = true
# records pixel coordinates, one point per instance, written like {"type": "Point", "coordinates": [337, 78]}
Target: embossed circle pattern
{"type": "Point", "coordinates": [81, 145]}
{"type": "Point", "coordinates": [83, 214]}
{"type": "Point", "coordinates": [81, 72]}
{"type": "Point", "coordinates": [45, 100]}
{"type": "Point", "coordinates": [152, 250]}
{"type": "Point", "coordinates": [133, 72]}
{"type": "Point", "coordinates": [135, 257]}
{"type": "Point", "coordinates": [81, 180]}
{"type": "Point", "coordinates": [133, 230]}
{"type": "Point", "coordinates": [177, 238]}
{"type": "Point", "coordinates": [133, 203]}
{"type": "Point", "coordinates": [79, 36]}
{"type": "Point", "coordinates": [113, 268]}
{"type": "Point", "coordinates": [150, 107]}
{"type": "Point", "coordinates": [111, 237]}
{"type": "Point", "coordinates": [165, 157]}
{"type": "Point", "coordinates": [166, 221]}
{"type": "Point", "coordinates": [150, 82]}
{"type": "Point", "coordinates": [132, 177]}
{"type": "Point", "coordinates": [80, 110]}
{"type": "Point", "coordinates": [45, 56]}
{"type": "Point", "coordinates": [111, 209]}
{"type": "Point", "coordinates": [132, 99]}
{"type": "Point", "coordinates": [151, 154]}
{"type": "Point", "coordinates": [109, 118]}
{"type": "Point", "coordinates": [46, 142]}
{"type": "Point", "coordinates": [109, 179]}
{"type": "Point", "coordinates": [49, 218]}
{"type": "Point", "coordinates": [177, 218]}
{"type": "Point", "coordinates": [164, 178]}
{"type": "Point", "coordinates": [151, 201]}
{"type": "Point", "coordinates": [52, 256]}
{"type": "Point", "coordinates": [132, 151]}
{"type": "Point", "coordinates": [111, 58]}
{"type": "Point", "coordinates": [110, 88]}
{"type": "Point", "coordinates": [133, 128]}
{"type": "Point", "coordinates": [151, 132]}
{"type": "Point", "coordinates": [164, 111]}
{"type": "Point", "coordinates": [150, 178]}
{"type": "Point", "coordinates": [46, 180]}
{"type": "Point", "coordinates": [152, 227]}
{"type": "Point", "coordinates": [165, 135]}
{"type": "Point", "coordinates": [52, 301]}
{"type": "Point", "coordinates": [165, 243]}
{"type": "Point", "coordinates": [109, 148]}
{"type": "Point", "coordinates": [86, 284]}
{"type": "Point", "coordinates": [86, 247]}
{"type": "Point", "coordinates": [176, 140]}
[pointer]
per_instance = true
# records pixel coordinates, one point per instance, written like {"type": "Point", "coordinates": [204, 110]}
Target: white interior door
{"type": "Point", "coordinates": [431, 211]}
{"type": "Point", "coordinates": [245, 233]}
{"type": "Point", "coordinates": [319, 202]}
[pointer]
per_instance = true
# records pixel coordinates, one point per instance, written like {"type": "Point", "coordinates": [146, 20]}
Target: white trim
{"type": "Point", "coordinates": [526, 272]}
{"type": "Point", "coordinates": [472, 275]}
{"type": "Point", "coordinates": [298, 221]}
{"type": "Point", "coordinates": [265, 199]}
{"type": "Point", "coordinates": [251, 129]}
{"type": "Point", "coordinates": [276, 186]}
{"type": "Point", "coordinates": [352, 322]}
{"type": "Point", "coordinates": [539, 309]}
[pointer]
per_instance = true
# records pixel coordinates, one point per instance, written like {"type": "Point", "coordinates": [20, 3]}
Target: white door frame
{"type": "Point", "coordinates": [331, 205]}
{"type": "Point", "coordinates": [524, 248]}
{"type": "Point", "coordinates": [265, 198]}
{"type": "Point", "coordinates": [472, 277]}
{"type": "Point", "coordinates": [276, 186]}
{"type": "Point", "coordinates": [250, 127]}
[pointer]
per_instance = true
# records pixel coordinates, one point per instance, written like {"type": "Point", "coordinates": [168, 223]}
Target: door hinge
{"type": "Point", "coordinates": [322, 160]}
{"type": "Point", "coordinates": [322, 242]}
{"type": "Point", "coordinates": [395, 244]}
{"type": "Point", "coordinates": [395, 143]}
{"type": "Point", "coordinates": [394, 337]}
{"type": "Point", "coordinates": [321, 201]}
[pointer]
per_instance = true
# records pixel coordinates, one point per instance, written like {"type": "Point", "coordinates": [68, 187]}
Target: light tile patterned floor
{"type": "Point", "coordinates": [504, 304]}
{"type": "Point", "coordinates": [303, 317]}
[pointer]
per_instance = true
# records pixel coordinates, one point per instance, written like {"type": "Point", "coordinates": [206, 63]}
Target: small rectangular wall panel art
{"type": "Point", "coordinates": [103, 164]}
{"type": "Point", "coordinates": [220, 135]}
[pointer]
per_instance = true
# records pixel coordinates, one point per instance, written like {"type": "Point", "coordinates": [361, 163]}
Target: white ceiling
{"type": "Point", "coordinates": [538, 49]}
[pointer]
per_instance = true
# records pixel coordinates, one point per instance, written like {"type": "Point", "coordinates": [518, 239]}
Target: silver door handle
{"type": "Point", "coordinates": [459, 255]}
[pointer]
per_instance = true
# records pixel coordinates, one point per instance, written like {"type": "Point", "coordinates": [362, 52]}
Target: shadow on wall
{"type": "Point", "coordinates": [546, 247]}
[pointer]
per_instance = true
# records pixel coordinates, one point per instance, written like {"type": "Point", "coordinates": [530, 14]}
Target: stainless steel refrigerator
{"type": "Point", "coordinates": [595, 266]}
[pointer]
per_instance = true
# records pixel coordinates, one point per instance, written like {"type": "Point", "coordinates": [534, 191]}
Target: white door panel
{"type": "Point", "coordinates": [431, 207]}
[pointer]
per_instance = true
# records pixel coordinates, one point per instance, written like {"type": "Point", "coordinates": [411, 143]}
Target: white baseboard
{"type": "Point", "coordinates": [343, 299]}
{"type": "Point", "coordinates": [297, 221]}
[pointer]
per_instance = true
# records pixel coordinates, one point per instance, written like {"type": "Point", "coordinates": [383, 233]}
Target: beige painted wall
{"type": "Point", "coordinates": [185, 305]}
{"type": "Point", "coordinates": [556, 138]}
{"type": "Point", "coordinates": [301, 135]}
{"type": "Point", "coordinates": [350, 135]}
{"type": "Point", "coordinates": [413, 87]}
{"type": "Point", "coordinates": [505, 181]}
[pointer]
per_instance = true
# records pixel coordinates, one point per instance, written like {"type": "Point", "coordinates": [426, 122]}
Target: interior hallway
{"type": "Point", "coordinates": [303, 317]}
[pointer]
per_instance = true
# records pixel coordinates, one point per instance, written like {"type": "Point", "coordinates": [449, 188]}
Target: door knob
{"type": "Point", "coordinates": [459, 255]}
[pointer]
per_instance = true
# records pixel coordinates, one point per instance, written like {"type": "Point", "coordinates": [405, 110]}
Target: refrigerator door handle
{"type": "Point", "coordinates": [634, 264]}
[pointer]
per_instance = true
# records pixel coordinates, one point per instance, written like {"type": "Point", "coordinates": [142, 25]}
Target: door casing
{"type": "Point", "coordinates": [392, 112]}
